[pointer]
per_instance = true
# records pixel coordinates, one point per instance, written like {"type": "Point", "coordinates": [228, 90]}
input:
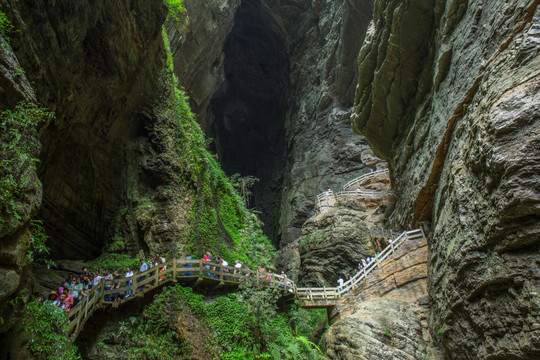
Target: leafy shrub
{"type": "Point", "coordinates": [49, 339]}
{"type": "Point", "coordinates": [5, 26]}
{"type": "Point", "coordinates": [176, 7]}
{"type": "Point", "coordinates": [18, 155]}
{"type": "Point", "coordinates": [38, 249]}
{"type": "Point", "coordinates": [244, 325]}
{"type": "Point", "coordinates": [113, 262]}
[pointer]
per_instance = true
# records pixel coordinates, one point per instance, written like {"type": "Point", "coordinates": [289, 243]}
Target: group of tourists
{"type": "Point", "coordinates": [76, 287]}
{"type": "Point", "coordinates": [361, 266]}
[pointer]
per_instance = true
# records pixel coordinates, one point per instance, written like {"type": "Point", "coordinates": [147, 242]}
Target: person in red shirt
{"type": "Point", "coordinates": [207, 258]}
{"type": "Point", "coordinates": [68, 300]}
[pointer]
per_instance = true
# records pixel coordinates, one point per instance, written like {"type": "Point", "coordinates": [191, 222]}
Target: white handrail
{"type": "Point", "coordinates": [365, 176]}
{"type": "Point", "coordinates": [319, 293]}
{"type": "Point", "coordinates": [366, 193]}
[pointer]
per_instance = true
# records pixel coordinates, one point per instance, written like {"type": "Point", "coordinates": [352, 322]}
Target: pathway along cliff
{"type": "Point", "coordinates": [103, 160]}
{"type": "Point", "coordinates": [195, 273]}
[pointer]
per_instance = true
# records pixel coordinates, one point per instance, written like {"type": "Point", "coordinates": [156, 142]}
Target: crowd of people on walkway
{"type": "Point", "coordinates": [78, 286]}
{"type": "Point", "coordinates": [362, 265]}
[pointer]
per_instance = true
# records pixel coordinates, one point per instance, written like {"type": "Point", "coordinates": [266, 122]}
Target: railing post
{"type": "Point", "coordinates": [134, 284]}
{"type": "Point", "coordinates": [174, 269]}
{"type": "Point", "coordinates": [102, 290]}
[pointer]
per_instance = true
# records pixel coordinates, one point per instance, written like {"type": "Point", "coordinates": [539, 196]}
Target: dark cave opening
{"type": "Point", "coordinates": [247, 120]}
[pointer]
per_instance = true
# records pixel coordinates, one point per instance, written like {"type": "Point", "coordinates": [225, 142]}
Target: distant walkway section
{"type": "Point", "coordinates": [359, 187]}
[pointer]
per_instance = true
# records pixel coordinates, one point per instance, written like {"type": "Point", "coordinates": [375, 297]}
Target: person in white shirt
{"type": "Point", "coordinates": [97, 280]}
{"type": "Point", "coordinates": [129, 274]}
{"type": "Point", "coordinates": [340, 282]}
{"type": "Point", "coordinates": [237, 266]}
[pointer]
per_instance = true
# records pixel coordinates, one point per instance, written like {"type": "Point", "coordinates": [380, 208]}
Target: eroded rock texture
{"type": "Point", "coordinates": [386, 317]}
{"type": "Point", "coordinates": [94, 64]}
{"type": "Point", "coordinates": [14, 226]}
{"type": "Point", "coordinates": [336, 240]}
{"type": "Point", "coordinates": [285, 81]}
{"type": "Point", "coordinates": [448, 93]}
{"type": "Point", "coordinates": [197, 39]}
{"type": "Point", "coordinates": [382, 329]}
{"type": "Point", "coordinates": [322, 151]}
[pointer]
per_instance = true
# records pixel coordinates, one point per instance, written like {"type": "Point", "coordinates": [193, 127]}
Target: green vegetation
{"type": "Point", "coordinates": [38, 249]}
{"type": "Point", "coordinates": [176, 7]}
{"type": "Point", "coordinates": [113, 262]}
{"type": "Point", "coordinates": [5, 27]}
{"type": "Point", "coordinates": [46, 326]}
{"type": "Point", "coordinates": [243, 325]}
{"type": "Point", "coordinates": [18, 156]}
{"type": "Point", "coordinates": [244, 185]}
{"type": "Point", "coordinates": [311, 239]}
{"type": "Point", "coordinates": [218, 219]}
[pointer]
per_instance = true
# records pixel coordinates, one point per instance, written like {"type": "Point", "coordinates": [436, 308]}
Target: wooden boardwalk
{"type": "Point", "coordinates": [194, 273]}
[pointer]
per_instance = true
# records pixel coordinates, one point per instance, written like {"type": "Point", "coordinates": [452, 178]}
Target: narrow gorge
{"type": "Point", "coordinates": [301, 139]}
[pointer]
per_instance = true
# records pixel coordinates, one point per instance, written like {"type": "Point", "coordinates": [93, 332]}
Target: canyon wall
{"type": "Point", "coordinates": [448, 93]}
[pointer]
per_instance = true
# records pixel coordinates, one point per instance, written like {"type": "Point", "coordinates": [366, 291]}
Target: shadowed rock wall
{"type": "Point", "coordinates": [448, 93]}
{"type": "Point", "coordinates": [101, 90]}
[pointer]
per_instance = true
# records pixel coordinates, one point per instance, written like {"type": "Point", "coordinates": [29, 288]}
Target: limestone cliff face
{"type": "Point", "coordinates": [89, 63]}
{"type": "Point", "coordinates": [448, 94]}
{"type": "Point", "coordinates": [197, 39]}
{"type": "Point", "coordinates": [322, 151]}
{"type": "Point", "coordinates": [273, 83]}
{"type": "Point", "coordinates": [386, 317]}
{"type": "Point", "coordinates": [14, 227]}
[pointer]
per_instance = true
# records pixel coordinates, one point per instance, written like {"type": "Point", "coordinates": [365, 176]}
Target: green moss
{"type": "Point", "coordinates": [113, 262]}
{"type": "Point", "coordinates": [5, 26]}
{"type": "Point", "coordinates": [218, 219]}
{"type": "Point", "coordinates": [18, 156]}
{"type": "Point", "coordinates": [176, 7]}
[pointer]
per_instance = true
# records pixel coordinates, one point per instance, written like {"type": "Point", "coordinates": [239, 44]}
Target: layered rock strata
{"type": "Point", "coordinates": [386, 317]}
{"type": "Point", "coordinates": [448, 93]}
{"type": "Point", "coordinates": [322, 151]}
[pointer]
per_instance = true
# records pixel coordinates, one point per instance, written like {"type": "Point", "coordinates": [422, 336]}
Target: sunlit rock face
{"type": "Point", "coordinates": [386, 317]}
{"type": "Point", "coordinates": [448, 94]}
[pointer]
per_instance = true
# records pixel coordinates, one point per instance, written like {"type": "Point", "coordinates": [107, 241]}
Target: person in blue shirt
{"type": "Point", "coordinates": [142, 268]}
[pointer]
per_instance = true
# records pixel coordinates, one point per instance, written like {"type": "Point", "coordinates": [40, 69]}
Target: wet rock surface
{"type": "Point", "coordinates": [460, 130]}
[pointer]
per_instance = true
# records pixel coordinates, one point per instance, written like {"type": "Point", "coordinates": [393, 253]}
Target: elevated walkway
{"type": "Point", "coordinates": [195, 273]}
{"type": "Point", "coordinates": [328, 297]}
{"type": "Point", "coordinates": [356, 188]}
